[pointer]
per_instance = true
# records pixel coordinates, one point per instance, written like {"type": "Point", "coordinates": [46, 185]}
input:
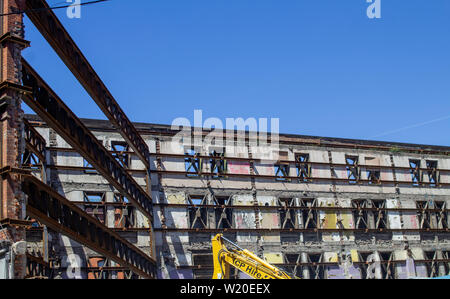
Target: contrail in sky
{"type": "Point", "coordinates": [411, 126]}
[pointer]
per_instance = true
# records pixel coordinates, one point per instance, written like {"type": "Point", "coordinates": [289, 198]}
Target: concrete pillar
{"type": "Point", "coordinates": [211, 213]}
{"type": "Point", "coordinates": [299, 218]}
{"type": "Point", "coordinates": [305, 272]}
{"type": "Point", "coordinates": [370, 216]}
{"type": "Point", "coordinates": [110, 210]}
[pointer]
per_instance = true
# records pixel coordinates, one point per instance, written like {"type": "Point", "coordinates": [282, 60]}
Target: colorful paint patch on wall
{"type": "Point", "coordinates": [238, 167]}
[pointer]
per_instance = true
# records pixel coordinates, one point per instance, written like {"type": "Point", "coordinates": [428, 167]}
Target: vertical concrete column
{"type": "Point", "coordinates": [211, 212]}
{"type": "Point", "coordinates": [110, 210]}
{"type": "Point", "coordinates": [370, 215]}
{"type": "Point", "coordinates": [11, 124]}
{"type": "Point", "coordinates": [433, 219]}
{"type": "Point", "coordinates": [299, 218]}
{"type": "Point", "coordinates": [304, 259]}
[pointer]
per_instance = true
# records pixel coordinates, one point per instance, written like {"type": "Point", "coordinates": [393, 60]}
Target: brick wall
{"type": "Point", "coordinates": [11, 125]}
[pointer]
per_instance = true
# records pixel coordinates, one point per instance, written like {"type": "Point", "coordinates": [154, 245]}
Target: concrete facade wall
{"type": "Point", "coordinates": [178, 246]}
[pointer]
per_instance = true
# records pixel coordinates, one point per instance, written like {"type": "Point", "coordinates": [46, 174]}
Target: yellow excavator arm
{"type": "Point", "coordinates": [241, 259]}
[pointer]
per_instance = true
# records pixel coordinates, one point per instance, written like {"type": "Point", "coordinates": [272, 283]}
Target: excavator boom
{"type": "Point", "coordinates": [241, 259]}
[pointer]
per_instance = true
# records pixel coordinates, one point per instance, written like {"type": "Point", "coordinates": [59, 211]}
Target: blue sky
{"type": "Point", "coordinates": [321, 66]}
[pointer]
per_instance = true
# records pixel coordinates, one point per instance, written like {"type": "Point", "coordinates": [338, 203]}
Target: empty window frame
{"type": "Point", "coordinates": [373, 170]}
{"type": "Point", "coordinates": [442, 215]}
{"type": "Point", "coordinates": [120, 151]}
{"type": "Point", "coordinates": [120, 198]}
{"type": "Point", "coordinates": [416, 172]}
{"type": "Point", "coordinates": [380, 215]}
{"type": "Point", "coordinates": [30, 160]}
{"type": "Point", "coordinates": [361, 216]}
{"type": "Point", "coordinates": [88, 168]}
{"type": "Point", "coordinates": [205, 262]}
{"type": "Point", "coordinates": [387, 267]}
{"type": "Point", "coordinates": [94, 268]}
{"type": "Point", "coordinates": [353, 169]}
{"type": "Point", "coordinates": [423, 214]}
{"type": "Point", "coordinates": [310, 216]}
{"type": "Point", "coordinates": [373, 176]}
{"type": "Point", "coordinates": [294, 268]}
{"type": "Point", "coordinates": [218, 163]}
{"type": "Point", "coordinates": [94, 197]}
{"type": "Point", "coordinates": [282, 167]}
{"type": "Point", "coordinates": [364, 267]}
{"type": "Point", "coordinates": [432, 267]}
{"type": "Point", "coordinates": [287, 213]}
{"type": "Point", "coordinates": [198, 214]}
{"type": "Point", "coordinates": [94, 205]}
{"type": "Point", "coordinates": [298, 268]}
{"type": "Point", "coordinates": [318, 271]}
{"type": "Point", "coordinates": [125, 215]}
{"type": "Point", "coordinates": [303, 167]}
{"type": "Point", "coordinates": [433, 173]}
{"type": "Point", "coordinates": [224, 211]}
{"type": "Point", "coordinates": [193, 164]}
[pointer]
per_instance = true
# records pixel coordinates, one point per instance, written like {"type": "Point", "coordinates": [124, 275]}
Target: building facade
{"type": "Point", "coordinates": [325, 208]}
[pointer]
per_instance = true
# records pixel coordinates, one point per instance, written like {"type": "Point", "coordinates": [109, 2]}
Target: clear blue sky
{"type": "Point", "coordinates": [321, 66]}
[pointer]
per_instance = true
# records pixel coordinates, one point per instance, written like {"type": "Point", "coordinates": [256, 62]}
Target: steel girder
{"type": "Point", "coordinates": [59, 39]}
{"type": "Point", "coordinates": [34, 141]}
{"type": "Point", "coordinates": [59, 214]}
{"type": "Point", "coordinates": [52, 109]}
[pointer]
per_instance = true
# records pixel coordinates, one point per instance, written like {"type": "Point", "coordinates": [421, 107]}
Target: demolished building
{"type": "Point", "coordinates": [327, 208]}
{"type": "Point", "coordinates": [114, 199]}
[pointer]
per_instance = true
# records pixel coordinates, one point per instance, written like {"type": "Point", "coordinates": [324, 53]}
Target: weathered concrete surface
{"type": "Point", "coordinates": [175, 249]}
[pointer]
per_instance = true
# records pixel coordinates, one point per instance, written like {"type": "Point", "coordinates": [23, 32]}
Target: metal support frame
{"type": "Point", "coordinates": [306, 163]}
{"type": "Point", "coordinates": [218, 164]}
{"type": "Point", "coordinates": [54, 32]}
{"type": "Point", "coordinates": [194, 165]}
{"type": "Point", "coordinates": [38, 268]}
{"type": "Point", "coordinates": [288, 217]}
{"type": "Point", "coordinates": [303, 166]}
{"type": "Point", "coordinates": [34, 141]}
{"type": "Point", "coordinates": [223, 211]}
{"type": "Point", "coordinates": [61, 215]}
{"type": "Point", "coordinates": [51, 108]}
{"type": "Point", "coordinates": [198, 214]}
{"type": "Point", "coordinates": [293, 179]}
{"type": "Point", "coordinates": [34, 156]}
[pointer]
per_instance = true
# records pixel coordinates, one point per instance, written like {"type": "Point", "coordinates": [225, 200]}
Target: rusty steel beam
{"type": "Point", "coordinates": [54, 32]}
{"type": "Point", "coordinates": [239, 159]}
{"type": "Point", "coordinates": [290, 162]}
{"type": "Point", "coordinates": [286, 208]}
{"type": "Point", "coordinates": [279, 208]}
{"type": "Point", "coordinates": [83, 168]}
{"type": "Point", "coordinates": [53, 110]}
{"type": "Point", "coordinates": [310, 180]}
{"type": "Point", "coordinates": [15, 170]}
{"type": "Point", "coordinates": [61, 215]}
{"type": "Point", "coordinates": [223, 176]}
{"type": "Point", "coordinates": [34, 141]}
{"type": "Point", "coordinates": [208, 267]}
{"type": "Point", "coordinates": [37, 267]}
{"type": "Point", "coordinates": [294, 230]}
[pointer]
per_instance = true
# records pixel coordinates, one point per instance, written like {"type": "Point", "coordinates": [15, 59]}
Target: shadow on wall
{"type": "Point", "coordinates": [172, 253]}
